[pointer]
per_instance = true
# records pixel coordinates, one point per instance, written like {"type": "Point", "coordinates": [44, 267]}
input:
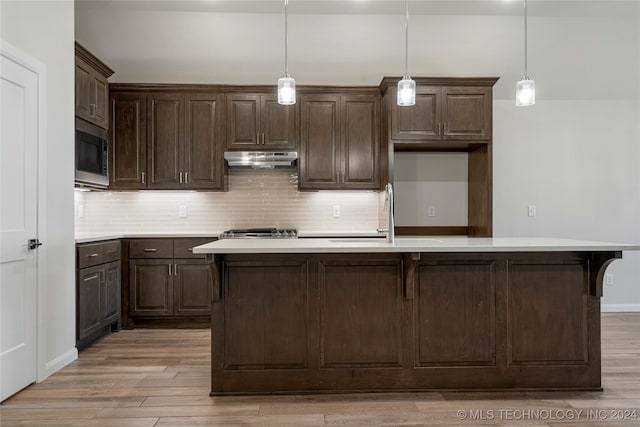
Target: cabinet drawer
{"type": "Point", "coordinates": [98, 253]}
{"type": "Point", "coordinates": [111, 251]}
{"type": "Point", "coordinates": [151, 248]}
{"type": "Point", "coordinates": [182, 248]}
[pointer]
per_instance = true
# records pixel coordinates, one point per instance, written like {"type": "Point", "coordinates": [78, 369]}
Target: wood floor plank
{"type": "Point", "coordinates": [144, 378]}
{"type": "Point", "coordinates": [110, 422]}
{"type": "Point", "coordinates": [263, 421]}
{"type": "Point", "coordinates": [178, 411]}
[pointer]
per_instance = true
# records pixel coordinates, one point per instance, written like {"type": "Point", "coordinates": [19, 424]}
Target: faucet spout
{"type": "Point", "coordinates": [388, 201]}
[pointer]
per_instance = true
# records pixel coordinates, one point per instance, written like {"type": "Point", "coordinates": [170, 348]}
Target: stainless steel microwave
{"type": "Point", "coordinates": [92, 157]}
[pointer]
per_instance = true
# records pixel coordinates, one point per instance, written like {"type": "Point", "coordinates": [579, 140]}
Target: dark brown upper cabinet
{"type": "Point", "coordinates": [167, 141]}
{"type": "Point", "coordinates": [445, 110]}
{"type": "Point", "coordinates": [92, 88]}
{"type": "Point", "coordinates": [128, 148]}
{"type": "Point", "coordinates": [255, 121]}
{"type": "Point", "coordinates": [450, 115]}
{"type": "Point", "coordinates": [339, 142]}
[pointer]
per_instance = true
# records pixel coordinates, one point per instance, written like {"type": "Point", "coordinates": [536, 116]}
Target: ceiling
{"type": "Point", "coordinates": [572, 44]}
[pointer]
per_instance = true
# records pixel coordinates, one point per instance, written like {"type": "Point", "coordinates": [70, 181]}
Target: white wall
{"type": "Point", "coordinates": [45, 30]}
{"type": "Point", "coordinates": [430, 180]}
{"type": "Point", "coordinates": [579, 163]}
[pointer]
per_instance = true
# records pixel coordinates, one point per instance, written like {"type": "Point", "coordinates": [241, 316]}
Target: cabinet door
{"type": "Point", "coordinates": [202, 162]}
{"type": "Point", "coordinates": [89, 301]}
{"type": "Point", "coordinates": [418, 122]}
{"type": "Point", "coordinates": [100, 100]}
{"type": "Point", "coordinates": [277, 124]}
{"type": "Point", "coordinates": [454, 313]}
{"type": "Point", "coordinates": [243, 121]}
{"type": "Point", "coordinates": [111, 293]}
{"type": "Point", "coordinates": [83, 77]}
{"type": "Point", "coordinates": [192, 287]}
{"type": "Point", "coordinates": [150, 287]}
{"type": "Point", "coordinates": [466, 113]}
{"type": "Point", "coordinates": [319, 162]}
{"type": "Point", "coordinates": [360, 313]}
{"type": "Point", "coordinates": [165, 133]}
{"type": "Point", "coordinates": [266, 310]}
{"type": "Point", "coordinates": [361, 142]}
{"type": "Point", "coordinates": [128, 150]}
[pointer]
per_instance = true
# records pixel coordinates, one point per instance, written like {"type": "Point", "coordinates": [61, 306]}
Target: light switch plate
{"type": "Point", "coordinates": [532, 210]}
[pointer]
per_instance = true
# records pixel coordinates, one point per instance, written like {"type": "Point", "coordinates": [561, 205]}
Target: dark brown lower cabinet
{"type": "Point", "coordinates": [151, 287]}
{"type": "Point", "coordinates": [168, 285]}
{"type": "Point", "coordinates": [97, 291]}
{"type": "Point", "coordinates": [285, 323]}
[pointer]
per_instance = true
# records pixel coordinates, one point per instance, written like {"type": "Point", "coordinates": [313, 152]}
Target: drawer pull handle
{"type": "Point", "coordinates": [150, 250]}
{"type": "Point", "coordinates": [95, 276]}
{"type": "Point", "coordinates": [92, 255]}
{"type": "Point", "coordinates": [190, 249]}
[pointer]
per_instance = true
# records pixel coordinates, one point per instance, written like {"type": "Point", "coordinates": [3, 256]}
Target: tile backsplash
{"type": "Point", "coordinates": [255, 198]}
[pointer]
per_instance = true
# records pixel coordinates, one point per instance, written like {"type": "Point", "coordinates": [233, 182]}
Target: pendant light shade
{"type": "Point", "coordinates": [525, 88]}
{"type": "Point", "coordinates": [406, 86]}
{"type": "Point", "coordinates": [286, 83]}
{"type": "Point", "coordinates": [406, 92]}
{"type": "Point", "coordinates": [286, 90]}
{"type": "Point", "coordinates": [525, 92]}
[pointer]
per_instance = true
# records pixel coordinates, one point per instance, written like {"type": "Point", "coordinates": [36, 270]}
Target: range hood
{"type": "Point", "coordinates": [261, 159]}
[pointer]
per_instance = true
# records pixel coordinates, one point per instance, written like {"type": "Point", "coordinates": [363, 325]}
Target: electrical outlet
{"type": "Point", "coordinates": [431, 211]}
{"type": "Point", "coordinates": [532, 210]}
{"type": "Point", "coordinates": [182, 211]}
{"type": "Point", "coordinates": [608, 279]}
{"type": "Point", "coordinates": [336, 211]}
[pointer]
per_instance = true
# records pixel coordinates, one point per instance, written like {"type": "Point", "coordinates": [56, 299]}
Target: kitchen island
{"type": "Point", "coordinates": [456, 313]}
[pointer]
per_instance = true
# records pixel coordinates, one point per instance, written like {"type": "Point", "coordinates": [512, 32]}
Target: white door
{"type": "Point", "coordinates": [18, 224]}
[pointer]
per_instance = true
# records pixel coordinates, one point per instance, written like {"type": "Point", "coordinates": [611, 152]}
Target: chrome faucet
{"type": "Point", "coordinates": [388, 207]}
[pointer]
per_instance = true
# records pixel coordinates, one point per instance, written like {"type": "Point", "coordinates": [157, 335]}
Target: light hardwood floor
{"type": "Point", "coordinates": [161, 378]}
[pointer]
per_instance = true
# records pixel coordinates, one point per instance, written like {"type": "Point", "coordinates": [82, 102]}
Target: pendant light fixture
{"type": "Point", "coordinates": [525, 88]}
{"type": "Point", "coordinates": [406, 86]}
{"type": "Point", "coordinates": [286, 83]}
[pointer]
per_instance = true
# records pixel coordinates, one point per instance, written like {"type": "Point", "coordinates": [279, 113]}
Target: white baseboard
{"type": "Point", "coordinates": [620, 308]}
{"type": "Point", "coordinates": [59, 362]}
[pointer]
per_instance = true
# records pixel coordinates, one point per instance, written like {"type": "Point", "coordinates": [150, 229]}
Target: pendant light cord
{"type": "Point", "coordinates": [526, 74]}
{"type": "Point", "coordinates": [286, 39]}
{"type": "Point", "coordinates": [406, 38]}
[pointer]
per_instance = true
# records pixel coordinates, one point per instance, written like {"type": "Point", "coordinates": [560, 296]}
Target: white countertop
{"type": "Point", "coordinates": [97, 237]}
{"type": "Point", "coordinates": [406, 244]}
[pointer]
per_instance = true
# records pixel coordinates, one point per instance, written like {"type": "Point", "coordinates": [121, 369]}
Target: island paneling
{"type": "Point", "coordinates": [345, 322]}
